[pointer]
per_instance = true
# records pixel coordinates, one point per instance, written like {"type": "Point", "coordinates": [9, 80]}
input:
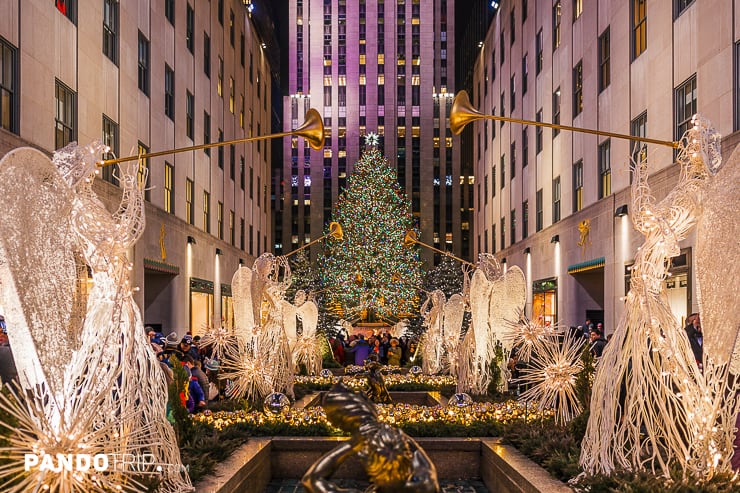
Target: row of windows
{"type": "Point", "coordinates": [685, 106]}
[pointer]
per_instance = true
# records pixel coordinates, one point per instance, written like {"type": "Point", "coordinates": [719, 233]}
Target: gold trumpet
{"type": "Point", "coordinates": [411, 239]}
{"type": "Point", "coordinates": [312, 130]}
{"type": "Point", "coordinates": [335, 231]}
{"type": "Point", "coordinates": [462, 113]}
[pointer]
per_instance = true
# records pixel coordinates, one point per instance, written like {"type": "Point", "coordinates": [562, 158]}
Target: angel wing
{"type": "Point", "coordinates": [290, 323]}
{"type": "Point", "coordinates": [508, 297]}
{"type": "Point", "coordinates": [454, 310]}
{"type": "Point", "coordinates": [480, 297]}
{"type": "Point", "coordinates": [241, 289]}
{"type": "Point", "coordinates": [308, 313]}
{"type": "Point", "coordinates": [39, 277]}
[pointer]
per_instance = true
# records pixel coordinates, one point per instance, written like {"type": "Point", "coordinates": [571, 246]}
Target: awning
{"type": "Point", "coordinates": [160, 266]}
{"type": "Point", "coordinates": [592, 264]}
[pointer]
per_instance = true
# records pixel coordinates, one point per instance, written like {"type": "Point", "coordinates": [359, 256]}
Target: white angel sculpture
{"type": "Point", "coordinates": [652, 407]}
{"type": "Point", "coordinates": [261, 362]}
{"type": "Point", "coordinates": [495, 297]}
{"type": "Point", "coordinates": [88, 373]}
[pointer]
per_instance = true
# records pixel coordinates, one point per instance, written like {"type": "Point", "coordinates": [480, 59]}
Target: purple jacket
{"type": "Point", "coordinates": [362, 351]}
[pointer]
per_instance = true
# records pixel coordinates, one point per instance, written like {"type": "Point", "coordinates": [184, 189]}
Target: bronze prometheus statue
{"type": "Point", "coordinates": [377, 391]}
{"type": "Point", "coordinates": [393, 461]}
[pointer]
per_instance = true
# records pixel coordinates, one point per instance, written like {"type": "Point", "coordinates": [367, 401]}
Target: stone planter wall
{"type": "Point", "coordinates": [502, 468]}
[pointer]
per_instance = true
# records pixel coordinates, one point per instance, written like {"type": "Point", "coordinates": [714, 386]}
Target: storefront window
{"type": "Point", "coordinates": [545, 302]}
{"type": "Point", "coordinates": [227, 308]}
{"type": "Point", "coordinates": [201, 305]}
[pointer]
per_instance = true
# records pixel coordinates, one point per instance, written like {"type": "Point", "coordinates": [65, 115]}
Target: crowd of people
{"type": "Point", "coordinates": [355, 349]}
{"type": "Point", "coordinates": [201, 369]}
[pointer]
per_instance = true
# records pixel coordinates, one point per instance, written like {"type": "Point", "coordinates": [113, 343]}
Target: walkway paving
{"type": "Point", "coordinates": [294, 486]}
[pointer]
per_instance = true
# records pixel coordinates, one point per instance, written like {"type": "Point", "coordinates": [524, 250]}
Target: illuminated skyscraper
{"type": "Point", "coordinates": [372, 66]}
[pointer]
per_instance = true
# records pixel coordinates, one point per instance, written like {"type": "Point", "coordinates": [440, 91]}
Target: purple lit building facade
{"type": "Point", "coordinates": [373, 66]}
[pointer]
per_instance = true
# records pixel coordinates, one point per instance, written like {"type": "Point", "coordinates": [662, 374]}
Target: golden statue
{"type": "Point", "coordinates": [393, 461]}
{"type": "Point", "coordinates": [584, 228]}
{"type": "Point", "coordinates": [162, 248]}
{"type": "Point", "coordinates": [377, 392]}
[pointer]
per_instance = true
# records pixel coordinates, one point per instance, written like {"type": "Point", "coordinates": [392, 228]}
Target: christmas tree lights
{"type": "Point", "coordinates": [371, 271]}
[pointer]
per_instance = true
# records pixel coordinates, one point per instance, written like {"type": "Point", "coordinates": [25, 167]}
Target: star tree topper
{"type": "Point", "coordinates": [372, 139]}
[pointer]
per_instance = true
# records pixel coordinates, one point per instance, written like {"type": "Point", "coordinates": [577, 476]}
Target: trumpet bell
{"type": "Point", "coordinates": [410, 238]}
{"type": "Point", "coordinates": [335, 231]}
{"type": "Point", "coordinates": [462, 113]}
{"type": "Point", "coordinates": [312, 129]}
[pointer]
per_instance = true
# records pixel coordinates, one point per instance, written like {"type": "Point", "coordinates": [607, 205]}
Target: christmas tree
{"type": "Point", "coordinates": [447, 276]}
{"type": "Point", "coordinates": [304, 276]}
{"type": "Point", "coordinates": [371, 274]}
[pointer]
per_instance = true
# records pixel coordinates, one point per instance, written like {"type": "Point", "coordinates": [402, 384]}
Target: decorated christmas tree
{"type": "Point", "coordinates": [371, 275]}
{"type": "Point", "coordinates": [304, 276]}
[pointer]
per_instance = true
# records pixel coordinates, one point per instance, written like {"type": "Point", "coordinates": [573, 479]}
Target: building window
{"type": "Point", "coordinates": [241, 234]}
{"type": "Point", "coordinates": [525, 72]}
{"type": "Point", "coordinates": [169, 92]}
{"type": "Point", "coordinates": [512, 26]}
{"type": "Point", "coordinates": [556, 200]}
{"type": "Point", "coordinates": [578, 185]}
{"type": "Point", "coordinates": [512, 160]}
{"type": "Point", "coordinates": [207, 55]}
{"type": "Point", "coordinates": [605, 169]}
{"type": "Point", "coordinates": [169, 188]}
{"type": "Point", "coordinates": [685, 105]}
{"type": "Point", "coordinates": [503, 170]}
{"type": "Point", "coordinates": [206, 212]}
{"type": "Point", "coordinates": [556, 17]}
{"type": "Point", "coordinates": [207, 132]}
{"type": "Point", "coordinates": [110, 139]}
{"type": "Point", "coordinates": [231, 27]}
{"type": "Point", "coordinates": [190, 29]}
{"type": "Point", "coordinates": [638, 128]}
{"type": "Point", "coordinates": [231, 95]}
{"type": "Point", "coordinates": [512, 92]}
{"type": "Point", "coordinates": [189, 115]}
{"type": "Point", "coordinates": [503, 232]}
{"type": "Point", "coordinates": [221, 12]}
{"type": "Point", "coordinates": [232, 232]}
{"type": "Point", "coordinates": [525, 148]}
{"type": "Point", "coordinates": [556, 111]}
{"type": "Point", "coordinates": [525, 219]}
{"type": "Point", "coordinates": [512, 220]}
{"type": "Point", "coordinates": [66, 116]}
{"type": "Point", "coordinates": [493, 182]}
{"type": "Point", "coordinates": [232, 161]}
{"type": "Point", "coordinates": [169, 11]}
{"type": "Point", "coordinates": [220, 220]}
{"type": "Point", "coordinates": [639, 27]}
{"type": "Point", "coordinates": [539, 59]}
{"type": "Point", "coordinates": [189, 204]}
{"type": "Point", "coordinates": [538, 133]}
{"type": "Point", "coordinates": [539, 218]}
{"type": "Point", "coordinates": [578, 89]}
{"type": "Point", "coordinates": [679, 6]}
{"type": "Point", "coordinates": [604, 65]}
{"type": "Point", "coordinates": [220, 81]}
{"type": "Point", "coordinates": [142, 175]}
{"type": "Point", "coordinates": [577, 9]}
{"type": "Point", "coordinates": [68, 8]}
{"type": "Point", "coordinates": [143, 64]}
{"type": "Point", "coordinates": [110, 29]}
{"type": "Point", "coordinates": [220, 149]}
{"type": "Point", "coordinates": [502, 51]}
{"type": "Point", "coordinates": [8, 82]}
